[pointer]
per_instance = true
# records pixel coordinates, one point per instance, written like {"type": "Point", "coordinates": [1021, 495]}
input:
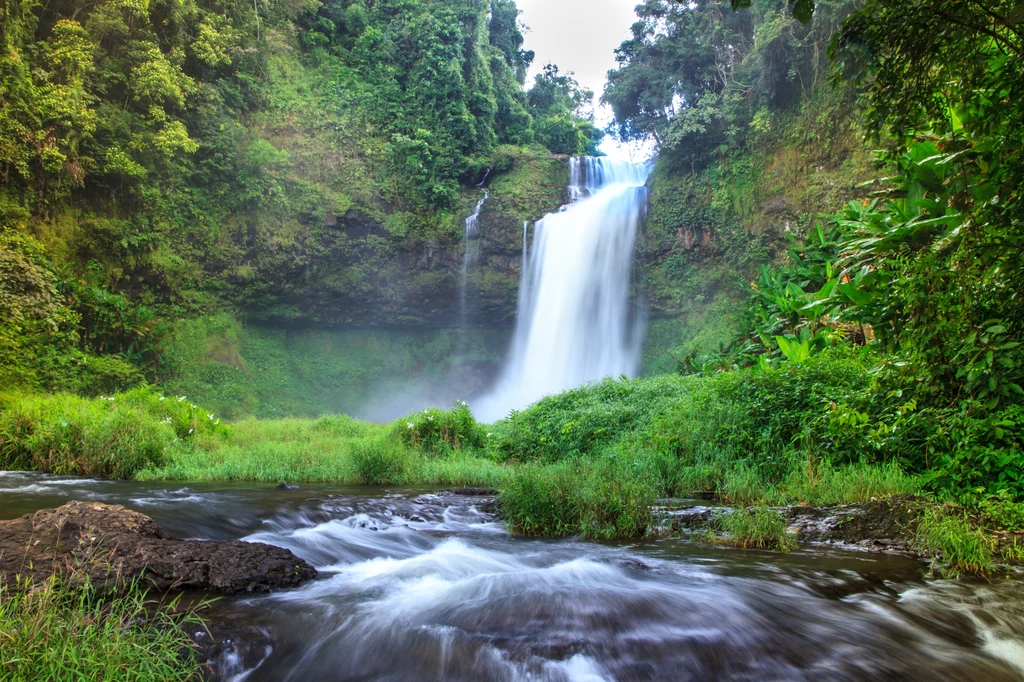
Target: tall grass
{"type": "Point", "coordinates": [112, 436]}
{"type": "Point", "coordinates": [337, 449]}
{"type": "Point", "coordinates": [961, 546]}
{"type": "Point", "coordinates": [605, 499]}
{"type": "Point", "coordinates": [63, 632]}
{"type": "Point", "coordinates": [763, 528]}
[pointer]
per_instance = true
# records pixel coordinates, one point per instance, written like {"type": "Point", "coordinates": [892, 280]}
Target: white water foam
{"type": "Point", "coordinates": [574, 323]}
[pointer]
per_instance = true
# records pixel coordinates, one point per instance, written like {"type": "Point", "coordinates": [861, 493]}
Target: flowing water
{"type": "Point", "coordinates": [574, 322]}
{"type": "Point", "coordinates": [472, 226]}
{"type": "Point", "coordinates": [428, 585]}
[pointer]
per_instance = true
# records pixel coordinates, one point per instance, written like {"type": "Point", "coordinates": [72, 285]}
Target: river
{"type": "Point", "coordinates": [428, 585]}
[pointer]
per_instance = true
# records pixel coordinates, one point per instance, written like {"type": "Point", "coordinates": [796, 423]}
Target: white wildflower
{"type": "Point", "coordinates": [430, 418]}
{"type": "Point", "coordinates": [488, 434]}
{"type": "Point", "coordinates": [181, 398]}
{"type": "Point", "coordinates": [161, 398]}
{"type": "Point", "coordinates": [409, 425]}
{"type": "Point", "coordinates": [191, 430]}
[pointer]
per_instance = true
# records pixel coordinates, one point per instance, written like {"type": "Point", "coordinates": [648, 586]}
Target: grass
{"type": "Point", "coordinates": [962, 547]}
{"type": "Point", "coordinates": [114, 436]}
{"type": "Point", "coordinates": [589, 461]}
{"type": "Point", "coordinates": [62, 632]}
{"type": "Point", "coordinates": [763, 528]}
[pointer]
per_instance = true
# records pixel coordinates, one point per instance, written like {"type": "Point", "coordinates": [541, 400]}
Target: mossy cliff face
{"type": "Point", "coordinates": [360, 267]}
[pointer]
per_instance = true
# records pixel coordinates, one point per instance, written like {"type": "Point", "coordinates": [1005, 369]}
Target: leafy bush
{"type": "Point", "coordinates": [106, 374]}
{"type": "Point", "coordinates": [435, 430]}
{"type": "Point", "coordinates": [1002, 513]}
{"type": "Point", "coordinates": [584, 420]}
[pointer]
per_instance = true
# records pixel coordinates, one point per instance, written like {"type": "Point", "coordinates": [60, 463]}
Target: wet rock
{"type": "Point", "coordinates": [229, 649]}
{"type": "Point", "coordinates": [285, 486]}
{"type": "Point", "coordinates": [472, 492]}
{"type": "Point", "coordinates": [692, 518]}
{"type": "Point", "coordinates": [111, 545]}
{"type": "Point", "coordinates": [883, 525]}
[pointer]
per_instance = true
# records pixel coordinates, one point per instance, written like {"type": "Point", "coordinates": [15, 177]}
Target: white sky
{"type": "Point", "coordinates": [580, 36]}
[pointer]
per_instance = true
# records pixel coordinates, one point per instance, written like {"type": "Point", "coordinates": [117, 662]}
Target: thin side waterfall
{"type": "Point", "coordinates": [472, 225]}
{"type": "Point", "coordinates": [525, 224]}
{"type": "Point", "coordinates": [574, 323]}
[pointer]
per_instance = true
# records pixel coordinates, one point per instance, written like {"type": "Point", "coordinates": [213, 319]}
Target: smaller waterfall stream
{"type": "Point", "coordinates": [468, 254]}
{"type": "Point", "coordinates": [574, 323]}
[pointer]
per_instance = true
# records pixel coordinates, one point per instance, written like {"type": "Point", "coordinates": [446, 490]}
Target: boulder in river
{"type": "Point", "coordinates": [111, 544]}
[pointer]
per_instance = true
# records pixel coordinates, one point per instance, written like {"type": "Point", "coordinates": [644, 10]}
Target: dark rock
{"type": "Point", "coordinates": [111, 545]}
{"type": "Point", "coordinates": [229, 648]}
{"type": "Point", "coordinates": [473, 492]}
{"type": "Point", "coordinates": [884, 525]}
{"type": "Point", "coordinates": [285, 486]}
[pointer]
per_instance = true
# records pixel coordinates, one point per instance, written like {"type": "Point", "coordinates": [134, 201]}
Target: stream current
{"type": "Point", "coordinates": [428, 585]}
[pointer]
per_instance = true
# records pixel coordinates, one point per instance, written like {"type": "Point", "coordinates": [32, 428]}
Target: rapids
{"type": "Point", "coordinates": [428, 585]}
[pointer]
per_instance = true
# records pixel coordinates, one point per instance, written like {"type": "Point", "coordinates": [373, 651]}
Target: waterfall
{"type": "Point", "coordinates": [574, 322]}
{"type": "Point", "coordinates": [525, 224]}
{"type": "Point", "coordinates": [472, 224]}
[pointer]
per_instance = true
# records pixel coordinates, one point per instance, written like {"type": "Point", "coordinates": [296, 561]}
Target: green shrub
{"type": "Point", "coordinates": [434, 430]}
{"type": "Point", "coordinates": [59, 631]}
{"type": "Point", "coordinates": [1002, 513]}
{"type": "Point", "coordinates": [106, 374]}
{"type": "Point", "coordinates": [584, 420]}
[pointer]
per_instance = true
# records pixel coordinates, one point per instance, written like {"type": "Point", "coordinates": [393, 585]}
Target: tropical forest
{"type": "Point", "coordinates": [459, 340]}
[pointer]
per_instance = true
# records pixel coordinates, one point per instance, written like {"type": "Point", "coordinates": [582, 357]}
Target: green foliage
{"type": "Point", "coordinates": [584, 420]}
{"type": "Point", "coordinates": [64, 631]}
{"type": "Point", "coordinates": [113, 436]}
{"type": "Point", "coordinates": [1001, 512]}
{"type": "Point", "coordinates": [694, 76]}
{"type": "Point", "coordinates": [438, 431]}
{"type": "Point", "coordinates": [563, 113]}
{"type": "Point", "coordinates": [763, 528]}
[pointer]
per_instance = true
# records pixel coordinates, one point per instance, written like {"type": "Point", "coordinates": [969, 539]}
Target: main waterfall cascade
{"type": "Point", "coordinates": [575, 323]}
